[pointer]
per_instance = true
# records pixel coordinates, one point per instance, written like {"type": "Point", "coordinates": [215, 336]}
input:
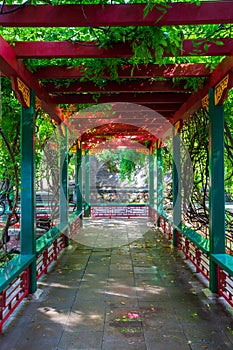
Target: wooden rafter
{"type": "Point", "coordinates": [128, 71]}
{"type": "Point", "coordinates": [139, 98]}
{"type": "Point", "coordinates": [65, 49]}
{"type": "Point", "coordinates": [113, 87]}
{"type": "Point", "coordinates": [209, 12]}
{"type": "Point", "coordinates": [120, 117]}
{"type": "Point", "coordinates": [129, 112]}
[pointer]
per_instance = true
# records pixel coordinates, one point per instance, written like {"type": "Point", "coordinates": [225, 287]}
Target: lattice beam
{"type": "Point", "coordinates": [65, 49]}
{"type": "Point", "coordinates": [209, 12]}
{"type": "Point", "coordinates": [140, 98]}
{"type": "Point", "coordinates": [110, 87]}
{"type": "Point", "coordinates": [128, 71]}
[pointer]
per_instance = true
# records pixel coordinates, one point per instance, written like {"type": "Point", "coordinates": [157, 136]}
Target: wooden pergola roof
{"type": "Point", "coordinates": [135, 85]}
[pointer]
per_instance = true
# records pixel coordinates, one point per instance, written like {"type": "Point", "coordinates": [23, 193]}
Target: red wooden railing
{"type": "Point", "coordinates": [193, 253]}
{"type": "Point", "coordinates": [119, 211]}
{"type": "Point", "coordinates": [201, 260]}
{"type": "Point", "coordinates": [225, 285]}
{"type": "Point", "coordinates": [49, 255]}
{"type": "Point", "coordinates": [13, 295]}
{"type": "Point", "coordinates": [74, 226]}
{"type": "Point", "coordinates": [18, 289]}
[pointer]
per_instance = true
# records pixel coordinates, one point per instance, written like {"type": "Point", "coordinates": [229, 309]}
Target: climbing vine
{"type": "Point", "coordinates": [195, 135]}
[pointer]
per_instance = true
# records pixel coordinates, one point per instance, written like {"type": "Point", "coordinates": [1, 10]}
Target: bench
{"type": "Point", "coordinates": [200, 241]}
{"type": "Point", "coordinates": [13, 269]}
{"type": "Point", "coordinates": [225, 261]}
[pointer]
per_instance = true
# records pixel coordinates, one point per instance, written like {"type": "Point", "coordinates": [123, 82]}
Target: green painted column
{"type": "Point", "coordinates": [27, 194]}
{"type": "Point", "coordinates": [176, 184]}
{"type": "Point", "coordinates": [151, 180]}
{"type": "Point", "coordinates": [78, 179]}
{"type": "Point", "coordinates": [217, 198]}
{"type": "Point", "coordinates": [64, 203]}
{"type": "Point", "coordinates": [87, 182]}
{"type": "Point", "coordinates": [159, 181]}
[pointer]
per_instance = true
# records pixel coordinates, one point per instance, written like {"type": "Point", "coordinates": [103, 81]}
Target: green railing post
{"type": "Point", "coordinates": [176, 183]}
{"type": "Point", "coordinates": [151, 180]}
{"type": "Point", "coordinates": [159, 180]}
{"type": "Point", "coordinates": [78, 178]}
{"type": "Point", "coordinates": [64, 183]}
{"type": "Point", "coordinates": [216, 198]}
{"type": "Point", "coordinates": [27, 195]}
{"type": "Point", "coordinates": [87, 182]}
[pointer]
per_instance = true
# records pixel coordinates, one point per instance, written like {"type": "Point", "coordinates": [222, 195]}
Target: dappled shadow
{"type": "Point", "coordinates": [137, 296]}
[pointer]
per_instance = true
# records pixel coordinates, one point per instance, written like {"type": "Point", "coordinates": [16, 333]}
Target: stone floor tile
{"type": "Point", "coordinates": [81, 340]}
{"type": "Point", "coordinates": [166, 341]}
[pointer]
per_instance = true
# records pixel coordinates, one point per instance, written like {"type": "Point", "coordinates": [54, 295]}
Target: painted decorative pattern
{"type": "Point", "coordinates": [95, 151]}
{"type": "Point", "coordinates": [38, 104]}
{"type": "Point", "coordinates": [219, 89]}
{"type": "Point", "coordinates": [142, 150]}
{"type": "Point", "coordinates": [25, 91]}
{"type": "Point", "coordinates": [205, 102]}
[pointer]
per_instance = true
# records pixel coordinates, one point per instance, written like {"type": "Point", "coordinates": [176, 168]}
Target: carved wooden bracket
{"type": "Point", "coordinates": [221, 90]}
{"type": "Point", "coordinates": [205, 102]}
{"type": "Point", "coordinates": [22, 91]}
{"type": "Point", "coordinates": [178, 126]}
{"type": "Point", "coordinates": [38, 104]}
{"type": "Point", "coordinates": [142, 150]}
{"type": "Point", "coordinates": [159, 143]}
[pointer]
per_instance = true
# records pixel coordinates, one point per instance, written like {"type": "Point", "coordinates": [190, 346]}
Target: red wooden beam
{"type": "Point", "coordinates": [123, 86]}
{"type": "Point", "coordinates": [136, 128]}
{"type": "Point", "coordinates": [65, 49]}
{"type": "Point", "coordinates": [209, 12]}
{"type": "Point", "coordinates": [113, 109]}
{"type": "Point", "coordinates": [193, 103]}
{"type": "Point", "coordinates": [166, 112]}
{"type": "Point", "coordinates": [101, 135]}
{"type": "Point", "coordinates": [114, 115]}
{"type": "Point", "coordinates": [128, 71]}
{"type": "Point", "coordinates": [140, 98]}
{"type": "Point", "coordinates": [99, 129]}
{"type": "Point", "coordinates": [11, 67]}
{"type": "Point", "coordinates": [104, 131]}
{"type": "Point", "coordinates": [150, 120]}
{"type": "Point", "coordinates": [109, 131]}
{"type": "Point", "coordinates": [115, 143]}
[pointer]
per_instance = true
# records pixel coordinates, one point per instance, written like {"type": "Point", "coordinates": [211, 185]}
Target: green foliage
{"type": "Point", "coordinates": [124, 162]}
{"type": "Point", "coordinates": [4, 258]}
{"type": "Point", "coordinates": [228, 112]}
{"type": "Point", "coordinates": [10, 127]}
{"type": "Point", "coordinates": [195, 135]}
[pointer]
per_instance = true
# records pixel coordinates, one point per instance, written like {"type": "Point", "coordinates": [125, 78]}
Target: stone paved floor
{"type": "Point", "coordinates": [139, 294]}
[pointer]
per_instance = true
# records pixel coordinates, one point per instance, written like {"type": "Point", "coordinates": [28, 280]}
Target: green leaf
{"type": "Point", "coordinates": [219, 43]}
{"type": "Point", "coordinates": [206, 47]}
